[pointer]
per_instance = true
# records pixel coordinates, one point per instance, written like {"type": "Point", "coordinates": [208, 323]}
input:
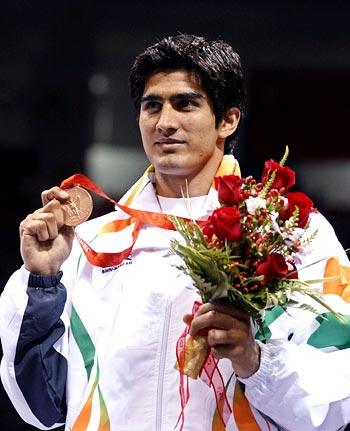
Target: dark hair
{"type": "Point", "coordinates": [215, 63]}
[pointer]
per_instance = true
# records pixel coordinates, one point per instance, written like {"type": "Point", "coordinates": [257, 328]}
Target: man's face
{"type": "Point", "coordinates": [177, 125]}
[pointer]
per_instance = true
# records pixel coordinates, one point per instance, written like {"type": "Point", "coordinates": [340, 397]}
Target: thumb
{"type": "Point", "coordinates": [188, 319]}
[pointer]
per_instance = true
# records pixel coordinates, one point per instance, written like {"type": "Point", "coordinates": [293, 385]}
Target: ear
{"type": "Point", "coordinates": [230, 123]}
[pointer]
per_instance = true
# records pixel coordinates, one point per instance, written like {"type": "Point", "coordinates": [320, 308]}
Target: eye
{"type": "Point", "coordinates": [151, 106]}
{"type": "Point", "coordinates": [186, 104]}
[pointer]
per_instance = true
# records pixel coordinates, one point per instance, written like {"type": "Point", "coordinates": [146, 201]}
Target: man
{"type": "Point", "coordinates": [94, 346]}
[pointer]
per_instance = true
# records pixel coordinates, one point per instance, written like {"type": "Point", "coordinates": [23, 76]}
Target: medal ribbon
{"type": "Point", "coordinates": [209, 374]}
{"type": "Point", "coordinates": [153, 218]}
{"type": "Point", "coordinates": [137, 217]}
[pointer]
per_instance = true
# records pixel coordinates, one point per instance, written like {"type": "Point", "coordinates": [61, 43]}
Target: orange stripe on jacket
{"type": "Point", "coordinates": [242, 412]}
{"type": "Point", "coordinates": [341, 285]}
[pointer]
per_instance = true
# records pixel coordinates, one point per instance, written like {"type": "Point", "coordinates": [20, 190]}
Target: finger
{"type": "Point", "coordinates": [51, 225]}
{"type": "Point", "coordinates": [187, 318]}
{"type": "Point", "coordinates": [51, 213]}
{"type": "Point", "coordinates": [37, 229]}
{"type": "Point", "coordinates": [225, 308]}
{"type": "Point", "coordinates": [212, 319]}
{"type": "Point", "coordinates": [54, 207]}
{"type": "Point", "coordinates": [42, 225]}
{"type": "Point", "coordinates": [54, 193]}
{"type": "Point", "coordinates": [231, 337]}
{"type": "Point", "coordinates": [24, 223]}
{"type": "Point", "coordinates": [223, 351]}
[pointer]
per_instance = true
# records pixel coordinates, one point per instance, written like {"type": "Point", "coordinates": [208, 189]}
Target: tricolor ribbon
{"type": "Point", "coordinates": [229, 165]}
{"type": "Point", "coordinates": [137, 217]}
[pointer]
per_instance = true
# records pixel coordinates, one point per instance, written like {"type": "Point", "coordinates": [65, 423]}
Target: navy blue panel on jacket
{"type": "Point", "coordinates": [40, 370]}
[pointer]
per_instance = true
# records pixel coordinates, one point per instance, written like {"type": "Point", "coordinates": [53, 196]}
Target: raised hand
{"type": "Point", "coordinates": [45, 241]}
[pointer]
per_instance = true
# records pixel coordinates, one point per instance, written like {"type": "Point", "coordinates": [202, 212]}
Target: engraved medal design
{"type": "Point", "coordinates": [78, 206]}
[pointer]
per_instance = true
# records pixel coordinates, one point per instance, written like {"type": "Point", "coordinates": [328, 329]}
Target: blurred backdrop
{"type": "Point", "coordinates": [65, 106]}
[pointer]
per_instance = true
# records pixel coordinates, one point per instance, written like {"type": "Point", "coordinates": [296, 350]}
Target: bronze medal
{"type": "Point", "coordinates": [78, 206]}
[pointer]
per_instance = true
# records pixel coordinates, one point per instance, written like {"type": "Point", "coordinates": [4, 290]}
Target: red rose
{"type": "Point", "coordinates": [229, 189]}
{"type": "Point", "coordinates": [303, 202]}
{"type": "Point", "coordinates": [285, 177]}
{"type": "Point", "coordinates": [226, 223]}
{"type": "Point", "coordinates": [208, 230]}
{"type": "Point", "coordinates": [273, 266]}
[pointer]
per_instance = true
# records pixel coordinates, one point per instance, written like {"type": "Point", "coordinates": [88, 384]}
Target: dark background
{"type": "Point", "coordinates": [64, 98]}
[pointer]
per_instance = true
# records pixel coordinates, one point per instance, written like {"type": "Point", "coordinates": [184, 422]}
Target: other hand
{"type": "Point", "coordinates": [229, 335]}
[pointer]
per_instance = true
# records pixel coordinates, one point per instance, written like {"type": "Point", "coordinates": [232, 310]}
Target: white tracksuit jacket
{"type": "Point", "coordinates": [96, 349]}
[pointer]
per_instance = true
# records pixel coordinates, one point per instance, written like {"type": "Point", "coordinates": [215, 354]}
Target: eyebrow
{"type": "Point", "coordinates": [174, 97]}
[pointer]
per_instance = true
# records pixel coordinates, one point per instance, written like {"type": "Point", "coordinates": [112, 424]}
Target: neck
{"type": "Point", "coordinates": [174, 186]}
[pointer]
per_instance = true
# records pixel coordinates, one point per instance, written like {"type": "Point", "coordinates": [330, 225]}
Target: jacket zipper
{"type": "Point", "coordinates": [163, 352]}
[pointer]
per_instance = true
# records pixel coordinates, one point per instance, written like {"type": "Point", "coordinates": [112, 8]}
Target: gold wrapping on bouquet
{"type": "Point", "coordinates": [193, 356]}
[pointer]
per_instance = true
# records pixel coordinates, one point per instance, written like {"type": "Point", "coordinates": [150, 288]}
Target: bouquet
{"type": "Point", "coordinates": [246, 252]}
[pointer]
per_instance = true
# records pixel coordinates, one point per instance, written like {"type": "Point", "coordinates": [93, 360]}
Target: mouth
{"type": "Point", "coordinates": [168, 141]}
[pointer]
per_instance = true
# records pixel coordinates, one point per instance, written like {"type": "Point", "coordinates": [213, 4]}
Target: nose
{"type": "Point", "coordinates": [167, 121]}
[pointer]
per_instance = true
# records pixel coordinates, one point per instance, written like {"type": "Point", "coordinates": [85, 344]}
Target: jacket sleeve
{"type": "Point", "coordinates": [33, 329]}
{"type": "Point", "coordinates": [303, 382]}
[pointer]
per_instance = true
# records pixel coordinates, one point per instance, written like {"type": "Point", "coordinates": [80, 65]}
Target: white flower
{"type": "Point", "coordinates": [254, 204]}
{"type": "Point", "coordinates": [296, 240]}
{"type": "Point", "coordinates": [294, 237]}
{"type": "Point", "coordinates": [274, 225]}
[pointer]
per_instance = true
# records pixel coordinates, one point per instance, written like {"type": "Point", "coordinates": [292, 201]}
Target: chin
{"type": "Point", "coordinates": [168, 164]}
